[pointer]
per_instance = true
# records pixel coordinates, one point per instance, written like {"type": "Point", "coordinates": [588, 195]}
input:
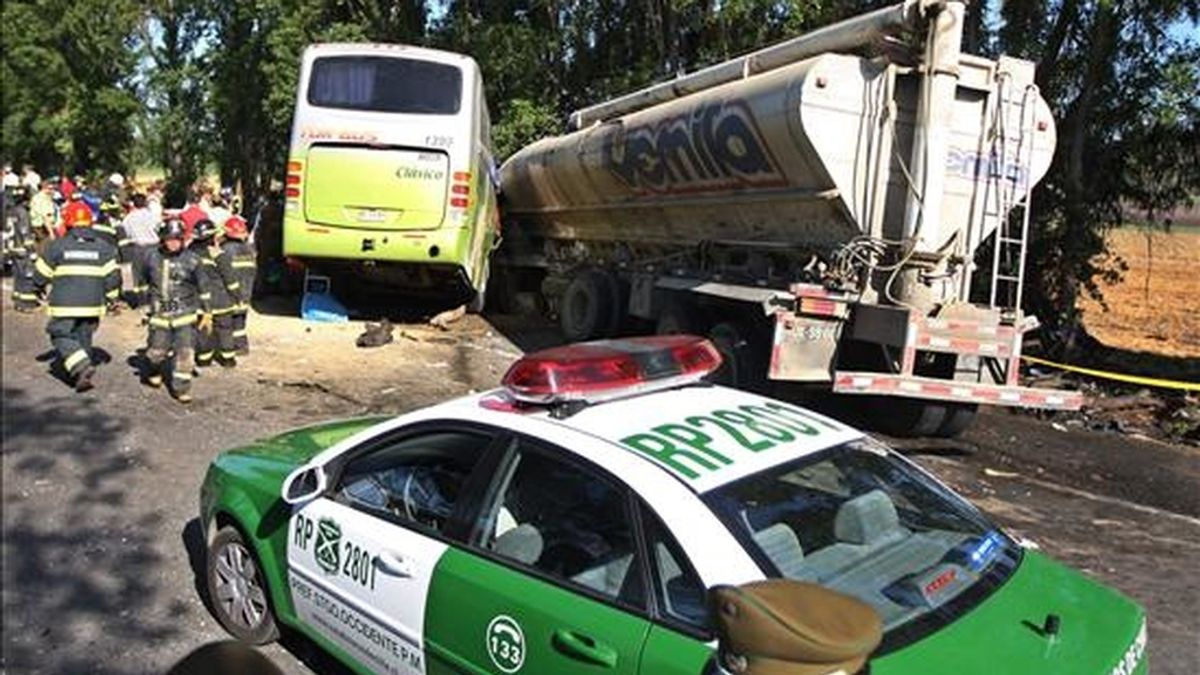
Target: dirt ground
{"type": "Point", "coordinates": [102, 549]}
{"type": "Point", "coordinates": [1156, 308]}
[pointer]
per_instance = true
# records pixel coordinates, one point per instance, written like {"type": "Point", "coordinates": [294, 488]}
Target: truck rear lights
{"type": "Point", "coordinates": [590, 372]}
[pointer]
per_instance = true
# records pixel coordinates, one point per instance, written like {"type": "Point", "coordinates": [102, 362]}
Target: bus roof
{"type": "Point", "coordinates": [383, 48]}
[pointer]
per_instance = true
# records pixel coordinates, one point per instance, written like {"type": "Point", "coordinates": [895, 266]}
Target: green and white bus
{"type": "Point", "coordinates": [390, 174]}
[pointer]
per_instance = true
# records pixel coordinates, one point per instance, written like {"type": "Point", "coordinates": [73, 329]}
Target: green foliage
{"type": "Point", "coordinates": [64, 76]}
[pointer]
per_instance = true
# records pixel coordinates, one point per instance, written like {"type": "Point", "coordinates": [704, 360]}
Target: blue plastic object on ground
{"type": "Point", "coordinates": [318, 304]}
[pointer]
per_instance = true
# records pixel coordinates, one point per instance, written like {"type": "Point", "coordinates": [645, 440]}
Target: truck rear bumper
{"type": "Point", "coordinates": [958, 392]}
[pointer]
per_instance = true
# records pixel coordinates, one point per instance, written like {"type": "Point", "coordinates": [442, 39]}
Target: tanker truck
{"type": "Point", "coordinates": [847, 209]}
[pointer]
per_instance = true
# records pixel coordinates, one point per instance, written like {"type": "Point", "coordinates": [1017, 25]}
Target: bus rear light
{"type": "Point", "coordinates": [295, 167]}
{"type": "Point", "coordinates": [460, 202]}
{"type": "Point", "coordinates": [293, 192]}
{"type": "Point", "coordinates": [460, 189]}
{"type": "Point", "coordinates": [462, 176]}
{"type": "Point", "coordinates": [591, 372]}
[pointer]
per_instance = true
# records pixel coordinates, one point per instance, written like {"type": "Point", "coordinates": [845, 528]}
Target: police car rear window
{"type": "Point", "coordinates": [385, 84]}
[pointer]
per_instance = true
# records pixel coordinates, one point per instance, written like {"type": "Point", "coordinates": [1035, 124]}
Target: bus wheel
{"type": "Point", "coordinates": [590, 306]}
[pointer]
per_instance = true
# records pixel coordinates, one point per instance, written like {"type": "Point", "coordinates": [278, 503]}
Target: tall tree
{"type": "Point", "coordinates": [65, 83]}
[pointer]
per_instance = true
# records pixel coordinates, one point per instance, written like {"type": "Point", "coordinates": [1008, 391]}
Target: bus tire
{"type": "Point", "coordinates": [589, 308]}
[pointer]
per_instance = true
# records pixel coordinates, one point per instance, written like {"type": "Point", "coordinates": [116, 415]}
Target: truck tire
{"type": "Point", "coordinates": [741, 363]}
{"type": "Point", "coordinates": [958, 417]}
{"type": "Point", "coordinates": [590, 306]}
{"type": "Point", "coordinates": [906, 417]}
{"type": "Point", "coordinates": [678, 318]}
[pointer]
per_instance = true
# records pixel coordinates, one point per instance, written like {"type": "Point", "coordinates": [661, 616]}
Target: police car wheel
{"type": "Point", "coordinates": [238, 589]}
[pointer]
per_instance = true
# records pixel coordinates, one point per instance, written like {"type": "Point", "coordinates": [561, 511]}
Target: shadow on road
{"type": "Point", "coordinates": [79, 564]}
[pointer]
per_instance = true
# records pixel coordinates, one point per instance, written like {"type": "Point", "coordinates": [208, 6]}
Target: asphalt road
{"type": "Point", "coordinates": [101, 547]}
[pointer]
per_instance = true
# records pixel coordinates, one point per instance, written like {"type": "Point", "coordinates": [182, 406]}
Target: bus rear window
{"type": "Point", "coordinates": [385, 84]}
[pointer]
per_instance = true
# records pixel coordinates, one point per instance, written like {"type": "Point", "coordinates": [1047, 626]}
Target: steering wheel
{"type": "Point", "coordinates": [409, 509]}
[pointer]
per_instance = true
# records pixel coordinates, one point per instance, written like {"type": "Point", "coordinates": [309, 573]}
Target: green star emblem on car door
{"type": "Point", "coordinates": [329, 535]}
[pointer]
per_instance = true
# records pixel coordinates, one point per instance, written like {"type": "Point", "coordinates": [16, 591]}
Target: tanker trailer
{"type": "Point", "coordinates": [815, 207]}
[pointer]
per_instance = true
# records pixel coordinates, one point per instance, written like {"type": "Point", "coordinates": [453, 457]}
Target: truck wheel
{"type": "Point", "coordinates": [740, 367]}
{"type": "Point", "coordinates": [678, 318]}
{"type": "Point", "coordinates": [906, 417]}
{"type": "Point", "coordinates": [958, 417]}
{"type": "Point", "coordinates": [589, 308]}
{"type": "Point", "coordinates": [238, 589]}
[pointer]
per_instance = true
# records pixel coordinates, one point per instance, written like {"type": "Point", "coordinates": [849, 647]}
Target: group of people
{"type": "Point", "coordinates": [192, 269]}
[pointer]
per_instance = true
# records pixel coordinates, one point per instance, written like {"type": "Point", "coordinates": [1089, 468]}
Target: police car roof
{"type": "Point", "coordinates": [704, 436]}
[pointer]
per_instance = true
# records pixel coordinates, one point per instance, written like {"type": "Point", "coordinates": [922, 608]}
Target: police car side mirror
{"type": "Point", "coordinates": [304, 485]}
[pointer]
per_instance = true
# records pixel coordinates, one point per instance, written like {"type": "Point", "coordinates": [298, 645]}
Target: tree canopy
{"type": "Point", "coordinates": [186, 84]}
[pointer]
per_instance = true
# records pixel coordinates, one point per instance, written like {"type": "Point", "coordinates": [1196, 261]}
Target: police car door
{"type": "Point", "coordinates": [361, 557]}
{"type": "Point", "coordinates": [551, 581]}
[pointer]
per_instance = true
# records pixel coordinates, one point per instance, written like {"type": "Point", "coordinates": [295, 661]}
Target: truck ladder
{"type": "Point", "coordinates": [1012, 172]}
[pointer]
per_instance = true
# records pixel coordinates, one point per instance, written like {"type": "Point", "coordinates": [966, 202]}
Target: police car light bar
{"type": "Point", "coordinates": [590, 372]}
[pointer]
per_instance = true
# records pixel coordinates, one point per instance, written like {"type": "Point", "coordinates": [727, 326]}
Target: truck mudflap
{"type": "Point", "coordinates": [959, 392]}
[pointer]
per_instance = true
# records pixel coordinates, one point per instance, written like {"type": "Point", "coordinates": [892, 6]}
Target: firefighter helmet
{"type": "Point", "coordinates": [204, 230]}
{"type": "Point", "coordinates": [235, 228]}
{"type": "Point", "coordinates": [172, 229]}
{"type": "Point", "coordinates": [77, 214]}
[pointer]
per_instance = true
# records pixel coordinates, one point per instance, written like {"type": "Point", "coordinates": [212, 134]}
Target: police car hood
{"type": "Point", "coordinates": [273, 458]}
{"type": "Point", "coordinates": [1100, 631]}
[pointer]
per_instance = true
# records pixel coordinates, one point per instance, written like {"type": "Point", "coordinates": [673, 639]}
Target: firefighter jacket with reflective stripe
{"type": "Point", "coordinates": [175, 282]}
{"type": "Point", "coordinates": [82, 272]}
{"type": "Point", "coordinates": [218, 283]}
{"type": "Point", "coordinates": [22, 232]}
{"type": "Point", "coordinates": [243, 258]}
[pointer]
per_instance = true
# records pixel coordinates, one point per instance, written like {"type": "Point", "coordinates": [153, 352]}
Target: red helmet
{"type": "Point", "coordinates": [235, 228]}
{"type": "Point", "coordinates": [77, 214]}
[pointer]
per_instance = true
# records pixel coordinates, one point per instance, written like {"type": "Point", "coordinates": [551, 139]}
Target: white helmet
{"type": "Point", "coordinates": [117, 180]}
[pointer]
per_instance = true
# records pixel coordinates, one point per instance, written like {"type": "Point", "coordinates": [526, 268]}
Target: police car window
{"type": "Point", "coordinates": [565, 522]}
{"type": "Point", "coordinates": [417, 479]}
{"type": "Point", "coordinates": [866, 522]}
{"type": "Point", "coordinates": [678, 592]}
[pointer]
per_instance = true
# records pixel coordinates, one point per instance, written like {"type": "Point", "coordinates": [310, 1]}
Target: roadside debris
{"type": "Point", "coordinates": [444, 319]}
{"type": "Point", "coordinates": [376, 335]}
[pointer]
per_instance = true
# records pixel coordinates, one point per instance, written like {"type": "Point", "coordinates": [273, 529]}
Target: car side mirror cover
{"type": "Point", "coordinates": [304, 485]}
{"type": "Point", "coordinates": [780, 625]}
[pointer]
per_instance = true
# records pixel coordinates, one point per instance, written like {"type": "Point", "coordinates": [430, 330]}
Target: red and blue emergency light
{"type": "Point", "coordinates": [590, 372]}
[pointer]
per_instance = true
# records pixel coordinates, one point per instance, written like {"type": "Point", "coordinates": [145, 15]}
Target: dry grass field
{"type": "Point", "coordinates": [1156, 308]}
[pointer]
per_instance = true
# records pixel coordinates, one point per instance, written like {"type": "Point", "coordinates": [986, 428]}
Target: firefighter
{"type": "Point", "coordinates": [176, 308]}
{"type": "Point", "coordinates": [83, 274]}
{"type": "Point", "coordinates": [218, 286]}
{"type": "Point", "coordinates": [23, 250]}
{"type": "Point", "coordinates": [242, 256]}
{"type": "Point", "coordinates": [75, 210]}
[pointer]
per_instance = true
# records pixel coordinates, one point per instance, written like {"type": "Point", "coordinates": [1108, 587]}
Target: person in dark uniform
{"type": "Point", "coordinates": [218, 286]}
{"type": "Point", "coordinates": [177, 308]}
{"type": "Point", "coordinates": [23, 250]}
{"type": "Point", "coordinates": [81, 270]}
{"type": "Point", "coordinates": [244, 259]}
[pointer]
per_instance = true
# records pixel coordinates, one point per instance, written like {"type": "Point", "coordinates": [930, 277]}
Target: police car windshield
{"type": "Point", "coordinates": [863, 521]}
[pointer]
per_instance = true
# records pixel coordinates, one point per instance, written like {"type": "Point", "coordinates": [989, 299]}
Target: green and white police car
{"type": "Point", "coordinates": [574, 520]}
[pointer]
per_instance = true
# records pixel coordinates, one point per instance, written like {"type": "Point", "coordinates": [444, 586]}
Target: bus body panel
{"type": "Point", "coordinates": [409, 187]}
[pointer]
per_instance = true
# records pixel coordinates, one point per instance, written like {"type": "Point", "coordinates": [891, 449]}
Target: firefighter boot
{"type": "Point", "coordinates": [84, 381]}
